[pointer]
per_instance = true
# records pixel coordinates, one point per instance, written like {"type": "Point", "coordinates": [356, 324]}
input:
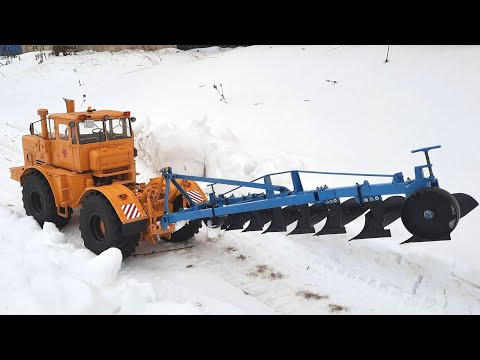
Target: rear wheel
{"type": "Point", "coordinates": [39, 202]}
{"type": "Point", "coordinates": [102, 229]}
{"type": "Point", "coordinates": [188, 230]}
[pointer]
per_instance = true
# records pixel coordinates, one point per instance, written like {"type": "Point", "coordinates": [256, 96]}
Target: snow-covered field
{"type": "Point", "coordinates": [281, 113]}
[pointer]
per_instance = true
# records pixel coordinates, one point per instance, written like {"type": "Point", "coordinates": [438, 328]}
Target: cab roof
{"type": "Point", "coordinates": [91, 115]}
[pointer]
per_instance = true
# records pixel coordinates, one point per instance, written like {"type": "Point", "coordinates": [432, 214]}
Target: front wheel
{"type": "Point", "coordinates": [102, 229]}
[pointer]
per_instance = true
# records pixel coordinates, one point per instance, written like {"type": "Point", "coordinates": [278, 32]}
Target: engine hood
{"type": "Point", "coordinates": [110, 158]}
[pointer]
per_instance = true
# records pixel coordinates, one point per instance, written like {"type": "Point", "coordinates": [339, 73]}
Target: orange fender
{"type": "Point", "coordinates": [125, 203]}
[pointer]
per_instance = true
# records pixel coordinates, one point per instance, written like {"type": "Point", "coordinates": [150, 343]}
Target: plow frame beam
{"type": "Point", "coordinates": [276, 196]}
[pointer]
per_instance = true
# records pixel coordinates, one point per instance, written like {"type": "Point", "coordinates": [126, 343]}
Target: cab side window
{"type": "Point", "coordinates": [118, 129]}
{"type": "Point", "coordinates": [62, 132]}
{"type": "Point", "coordinates": [74, 134]}
{"type": "Point", "coordinates": [51, 125]}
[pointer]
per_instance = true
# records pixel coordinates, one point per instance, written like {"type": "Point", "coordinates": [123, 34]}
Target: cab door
{"type": "Point", "coordinates": [62, 150]}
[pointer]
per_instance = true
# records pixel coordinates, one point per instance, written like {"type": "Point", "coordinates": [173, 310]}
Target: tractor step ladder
{"type": "Point", "coordinates": [62, 208]}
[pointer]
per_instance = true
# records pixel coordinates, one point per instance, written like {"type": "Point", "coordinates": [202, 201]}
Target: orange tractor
{"type": "Point", "coordinates": [85, 160]}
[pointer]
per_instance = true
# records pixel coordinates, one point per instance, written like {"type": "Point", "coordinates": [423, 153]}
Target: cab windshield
{"type": "Point", "coordinates": [92, 131]}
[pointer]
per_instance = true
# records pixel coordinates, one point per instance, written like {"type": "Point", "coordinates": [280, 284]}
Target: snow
{"type": "Point", "coordinates": [281, 114]}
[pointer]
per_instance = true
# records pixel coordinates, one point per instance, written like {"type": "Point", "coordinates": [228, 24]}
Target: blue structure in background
{"type": "Point", "coordinates": [10, 50]}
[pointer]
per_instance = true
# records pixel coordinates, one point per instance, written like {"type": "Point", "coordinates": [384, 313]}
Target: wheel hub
{"type": "Point", "coordinates": [428, 214]}
{"type": "Point", "coordinates": [97, 227]}
{"type": "Point", "coordinates": [36, 202]}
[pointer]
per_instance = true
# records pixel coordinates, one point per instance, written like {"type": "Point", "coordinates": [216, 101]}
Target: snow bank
{"type": "Point", "coordinates": [196, 148]}
{"type": "Point", "coordinates": [103, 269]}
{"type": "Point", "coordinates": [44, 274]}
{"type": "Point", "coordinates": [41, 268]}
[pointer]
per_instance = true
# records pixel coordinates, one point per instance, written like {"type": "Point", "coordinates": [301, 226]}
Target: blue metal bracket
{"type": "Point", "coordinates": [167, 194]}
{"type": "Point", "coordinates": [427, 149]}
{"type": "Point", "coordinates": [183, 192]}
{"type": "Point", "coordinates": [418, 169]}
{"type": "Point", "coordinates": [297, 183]}
{"type": "Point", "coordinates": [169, 175]}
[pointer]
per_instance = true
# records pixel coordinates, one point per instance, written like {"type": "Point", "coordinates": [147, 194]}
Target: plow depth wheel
{"type": "Point", "coordinates": [431, 213]}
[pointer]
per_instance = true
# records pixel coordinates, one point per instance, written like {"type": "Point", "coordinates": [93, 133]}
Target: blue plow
{"type": "Point", "coordinates": [428, 212]}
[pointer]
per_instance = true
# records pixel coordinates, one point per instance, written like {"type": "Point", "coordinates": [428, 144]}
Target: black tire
{"type": "Point", "coordinates": [189, 230]}
{"type": "Point", "coordinates": [102, 229]}
{"type": "Point", "coordinates": [39, 202]}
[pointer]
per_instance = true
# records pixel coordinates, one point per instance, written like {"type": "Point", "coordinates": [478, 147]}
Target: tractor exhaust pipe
{"type": "Point", "coordinates": [70, 105]}
{"type": "Point", "coordinates": [43, 118]}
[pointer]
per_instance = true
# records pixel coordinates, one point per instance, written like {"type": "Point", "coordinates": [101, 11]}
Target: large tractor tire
{"type": "Point", "coordinates": [187, 231]}
{"type": "Point", "coordinates": [39, 202]}
{"type": "Point", "coordinates": [101, 228]}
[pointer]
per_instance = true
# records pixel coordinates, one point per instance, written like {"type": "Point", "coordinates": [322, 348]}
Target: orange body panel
{"type": "Point", "coordinates": [73, 170]}
{"type": "Point", "coordinates": [36, 150]}
{"type": "Point", "coordinates": [106, 159]}
{"type": "Point", "coordinates": [112, 193]}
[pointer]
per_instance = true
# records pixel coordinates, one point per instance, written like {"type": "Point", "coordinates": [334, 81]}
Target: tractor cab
{"type": "Point", "coordinates": [94, 141]}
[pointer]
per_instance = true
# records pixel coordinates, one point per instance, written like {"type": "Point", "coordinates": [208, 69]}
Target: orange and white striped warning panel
{"type": "Point", "coordinates": [131, 211]}
{"type": "Point", "coordinates": [196, 196]}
